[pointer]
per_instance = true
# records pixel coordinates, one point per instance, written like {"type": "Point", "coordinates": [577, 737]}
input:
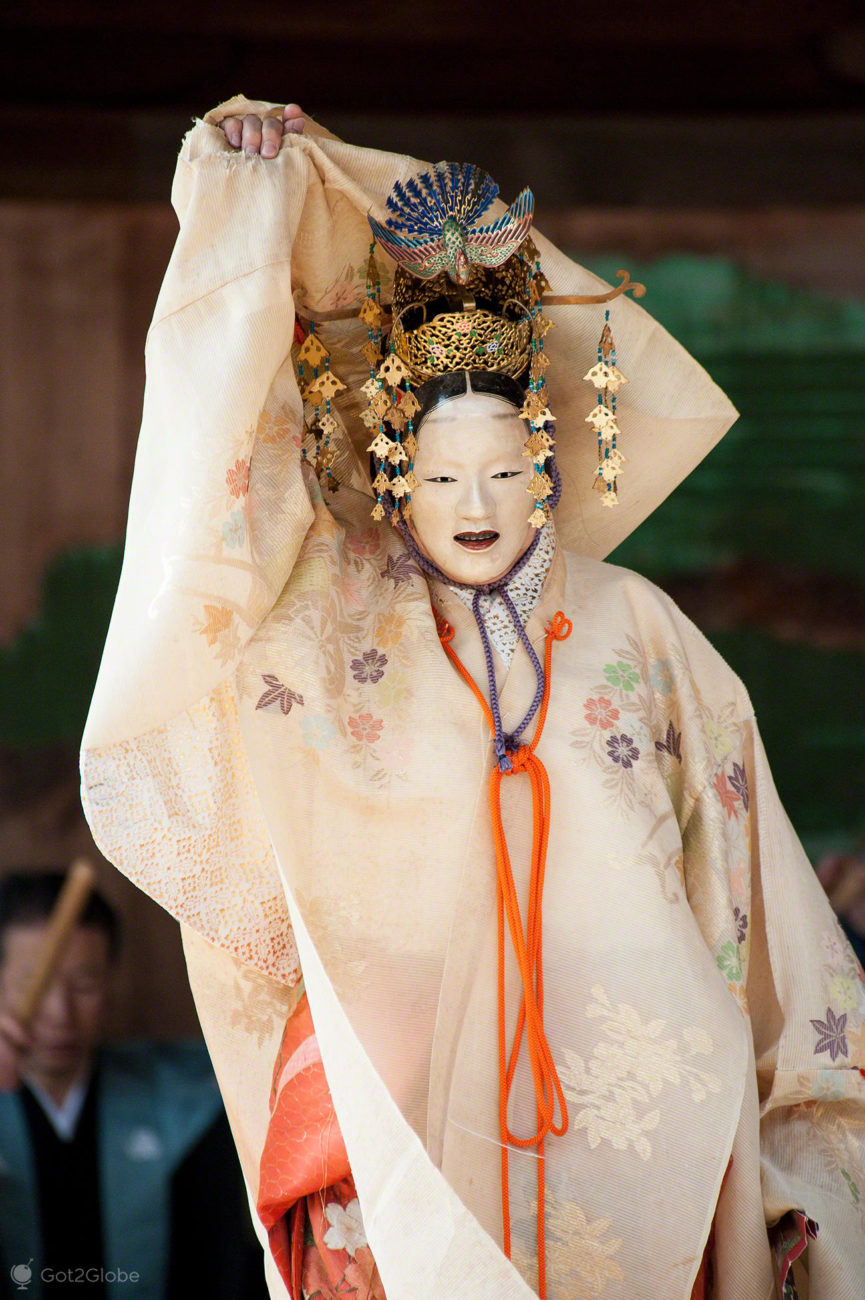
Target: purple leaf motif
{"type": "Point", "coordinates": [831, 1037]}
{"type": "Point", "coordinates": [672, 743]}
{"type": "Point", "coordinates": [277, 693]}
{"type": "Point", "coordinates": [399, 570]}
{"type": "Point", "coordinates": [739, 782]}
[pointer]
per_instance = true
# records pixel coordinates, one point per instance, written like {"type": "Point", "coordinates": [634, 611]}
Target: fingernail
{"type": "Point", "coordinates": [268, 150]}
{"type": "Point", "coordinates": [250, 152]}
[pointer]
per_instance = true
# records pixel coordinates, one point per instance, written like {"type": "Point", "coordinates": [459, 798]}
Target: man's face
{"type": "Point", "coordinates": [70, 1019]}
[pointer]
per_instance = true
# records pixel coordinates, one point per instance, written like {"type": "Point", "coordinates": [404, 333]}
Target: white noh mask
{"type": "Point", "coordinates": [469, 512]}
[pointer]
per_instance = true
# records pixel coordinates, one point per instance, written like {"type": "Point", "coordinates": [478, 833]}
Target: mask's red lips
{"type": "Point", "coordinates": [480, 541]}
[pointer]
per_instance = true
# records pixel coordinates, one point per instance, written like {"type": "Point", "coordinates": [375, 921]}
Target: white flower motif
{"type": "Point", "coordinates": [632, 1064]}
{"type": "Point", "coordinates": [831, 945]}
{"type": "Point", "coordinates": [828, 1086]}
{"type": "Point", "coordinates": [318, 731]}
{"type": "Point", "coordinates": [234, 530]}
{"type": "Point", "coordinates": [844, 992]}
{"type": "Point", "coordinates": [636, 728]}
{"type": "Point", "coordinates": [346, 1227]}
{"type": "Point", "coordinates": [720, 738]}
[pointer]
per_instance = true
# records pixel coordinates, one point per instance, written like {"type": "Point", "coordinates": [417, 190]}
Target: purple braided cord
{"type": "Point", "coordinates": [501, 742]}
{"type": "Point", "coordinates": [512, 740]}
{"type": "Point", "coordinates": [553, 471]}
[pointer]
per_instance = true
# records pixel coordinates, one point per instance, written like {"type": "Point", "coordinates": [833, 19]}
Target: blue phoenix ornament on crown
{"type": "Point", "coordinates": [435, 227]}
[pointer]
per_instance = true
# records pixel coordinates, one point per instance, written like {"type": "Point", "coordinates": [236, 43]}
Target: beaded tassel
{"type": "Point", "coordinates": [319, 391]}
{"type": "Point", "coordinates": [607, 379]}
{"type": "Point", "coordinates": [371, 315]}
{"type": "Point", "coordinates": [539, 445]}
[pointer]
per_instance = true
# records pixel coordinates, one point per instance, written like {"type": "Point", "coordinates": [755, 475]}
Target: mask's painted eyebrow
{"type": "Point", "coordinates": [454, 417]}
{"type": "Point", "coordinates": [448, 411]}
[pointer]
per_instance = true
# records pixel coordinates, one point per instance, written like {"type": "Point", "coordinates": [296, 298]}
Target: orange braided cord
{"type": "Point", "coordinates": [527, 945]}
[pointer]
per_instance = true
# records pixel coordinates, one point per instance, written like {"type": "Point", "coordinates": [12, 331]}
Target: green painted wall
{"type": "Point", "coordinates": [787, 481]}
{"type": "Point", "coordinates": [47, 674]}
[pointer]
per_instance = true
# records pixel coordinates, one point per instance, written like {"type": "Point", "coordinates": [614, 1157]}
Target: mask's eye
{"type": "Point", "coordinates": [440, 478]}
{"type": "Point", "coordinates": [509, 473]}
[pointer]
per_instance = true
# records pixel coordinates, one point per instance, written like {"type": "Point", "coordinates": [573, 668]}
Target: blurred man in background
{"type": "Point", "coordinates": [118, 1176]}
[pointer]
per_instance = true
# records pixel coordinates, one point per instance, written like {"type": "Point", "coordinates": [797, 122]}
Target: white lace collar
{"type": "Point", "coordinates": [524, 590]}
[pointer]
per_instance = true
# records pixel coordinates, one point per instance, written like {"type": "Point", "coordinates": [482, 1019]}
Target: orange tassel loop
{"type": "Point", "coordinates": [527, 946]}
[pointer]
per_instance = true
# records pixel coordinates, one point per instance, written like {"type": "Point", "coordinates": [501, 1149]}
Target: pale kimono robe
{"type": "Point", "coordinates": [277, 730]}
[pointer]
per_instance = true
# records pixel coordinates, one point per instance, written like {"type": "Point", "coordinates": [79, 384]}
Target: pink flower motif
{"type": "Point", "coordinates": [344, 295]}
{"type": "Point", "coordinates": [463, 326]}
{"type": "Point", "coordinates": [237, 479]}
{"type": "Point", "coordinates": [366, 728]}
{"type": "Point", "coordinates": [600, 713]}
{"type": "Point", "coordinates": [364, 542]}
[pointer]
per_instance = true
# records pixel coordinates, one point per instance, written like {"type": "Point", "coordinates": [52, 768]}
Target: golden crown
{"type": "Point", "coordinates": [485, 324]}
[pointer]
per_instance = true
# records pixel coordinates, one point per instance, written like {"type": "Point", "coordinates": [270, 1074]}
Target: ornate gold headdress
{"type": "Point", "coordinates": [465, 297]}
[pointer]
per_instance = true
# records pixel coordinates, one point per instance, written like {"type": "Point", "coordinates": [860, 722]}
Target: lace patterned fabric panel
{"type": "Point", "coordinates": [524, 590]}
{"type": "Point", "coordinates": [178, 815]}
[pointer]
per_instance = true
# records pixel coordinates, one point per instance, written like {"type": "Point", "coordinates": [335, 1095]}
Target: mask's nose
{"type": "Point", "coordinates": [476, 503]}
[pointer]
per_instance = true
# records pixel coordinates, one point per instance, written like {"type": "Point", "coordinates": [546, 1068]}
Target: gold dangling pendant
{"type": "Point", "coordinates": [607, 379]}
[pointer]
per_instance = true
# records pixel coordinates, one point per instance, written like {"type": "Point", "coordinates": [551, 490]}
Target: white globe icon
{"type": "Point", "coordinates": [22, 1274]}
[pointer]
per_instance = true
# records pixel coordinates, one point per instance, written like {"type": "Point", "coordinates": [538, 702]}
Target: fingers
{"type": "Point", "coordinates": [264, 138]}
{"type": "Point", "coordinates": [293, 118]}
{"type": "Point", "coordinates": [250, 140]}
{"type": "Point", "coordinates": [271, 136]}
{"type": "Point", "coordinates": [233, 131]}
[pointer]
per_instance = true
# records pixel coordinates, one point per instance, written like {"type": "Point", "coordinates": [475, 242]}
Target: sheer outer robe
{"type": "Point", "coordinates": [230, 717]}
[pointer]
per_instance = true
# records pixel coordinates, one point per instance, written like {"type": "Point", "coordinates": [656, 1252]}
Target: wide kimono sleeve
{"type": "Point", "coordinates": [799, 986]}
{"type": "Point", "coordinates": [220, 508]}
